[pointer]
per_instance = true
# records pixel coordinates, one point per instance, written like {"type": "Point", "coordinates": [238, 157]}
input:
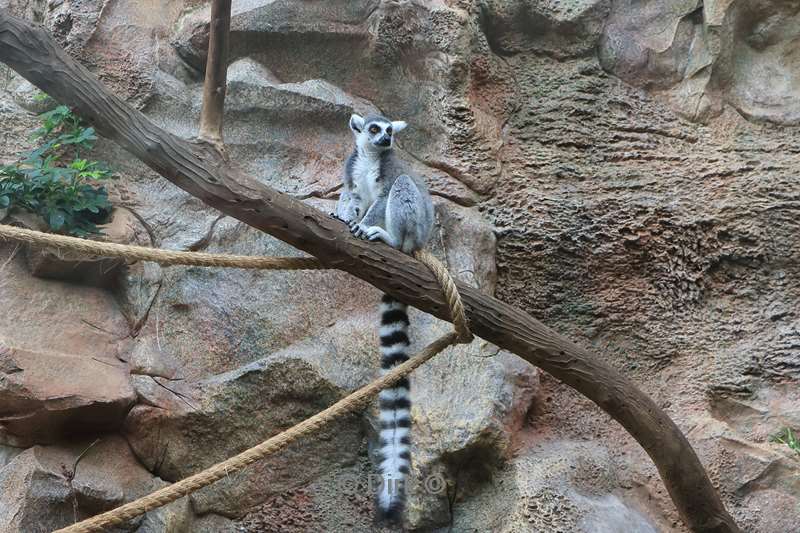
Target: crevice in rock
{"type": "Point", "coordinates": [203, 242]}
{"type": "Point", "coordinates": [181, 397]}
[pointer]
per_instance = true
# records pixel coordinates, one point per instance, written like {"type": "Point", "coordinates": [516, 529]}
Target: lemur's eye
{"type": "Point", "coordinates": [389, 130]}
{"type": "Point", "coordinates": [374, 128]}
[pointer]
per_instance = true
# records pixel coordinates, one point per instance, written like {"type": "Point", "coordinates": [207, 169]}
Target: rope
{"type": "Point", "coordinates": [351, 403]}
{"type": "Point", "coordinates": [457, 313]}
{"type": "Point", "coordinates": [157, 255]}
{"type": "Point", "coordinates": [170, 257]}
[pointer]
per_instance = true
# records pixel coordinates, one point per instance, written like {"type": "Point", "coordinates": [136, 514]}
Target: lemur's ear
{"type": "Point", "coordinates": [356, 123]}
{"type": "Point", "coordinates": [398, 125]}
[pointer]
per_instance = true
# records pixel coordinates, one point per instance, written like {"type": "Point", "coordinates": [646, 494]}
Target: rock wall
{"type": "Point", "coordinates": [624, 171]}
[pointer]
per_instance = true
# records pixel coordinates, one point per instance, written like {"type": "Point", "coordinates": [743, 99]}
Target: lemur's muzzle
{"type": "Point", "coordinates": [384, 141]}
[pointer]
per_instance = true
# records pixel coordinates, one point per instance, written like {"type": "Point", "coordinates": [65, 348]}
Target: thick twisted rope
{"type": "Point", "coordinates": [351, 403]}
{"type": "Point", "coordinates": [457, 313]}
{"type": "Point", "coordinates": [157, 255]}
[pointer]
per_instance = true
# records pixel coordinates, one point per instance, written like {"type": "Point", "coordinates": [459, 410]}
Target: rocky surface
{"type": "Point", "coordinates": [59, 371]}
{"type": "Point", "coordinates": [49, 395]}
{"type": "Point", "coordinates": [558, 486]}
{"type": "Point", "coordinates": [706, 56]}
{"type": "Point", "coordinates": [49, 487]}
{"type": "Point", "coordinates": [180, 428]}
{"type": "Point", "coordinates": [624, 171]}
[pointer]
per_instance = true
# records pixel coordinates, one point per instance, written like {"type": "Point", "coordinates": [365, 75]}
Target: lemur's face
{"type": "Point", "coordinates": [374, 132]}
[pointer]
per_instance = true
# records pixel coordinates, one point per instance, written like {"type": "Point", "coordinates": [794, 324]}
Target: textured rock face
{"type": "Point", "coordinates": [44, 396]}
{"type": "Point", "coordinates": [708, 55]}
{"type": "Point", "coordinates": [625, 171]}
{"type": "Point", "coordinates": [50, 487]}
{"type": "Point", "coordinates": [560, 487]}
{"type": "Point", "coordinates": [181, 429]}
{"type": "Point", "coordinates": [52, 316]}
{"type": "Point", "coordinates": [59, 372]}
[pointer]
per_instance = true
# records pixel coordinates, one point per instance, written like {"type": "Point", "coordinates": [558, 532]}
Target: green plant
{"type": "Point", "coordinates": [54, 182]}
{"type": "Point", "coordinates": [789, 438]}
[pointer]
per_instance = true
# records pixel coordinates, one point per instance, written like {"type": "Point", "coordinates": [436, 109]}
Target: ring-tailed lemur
{"type": "Point", "coordinates": [382, 200]}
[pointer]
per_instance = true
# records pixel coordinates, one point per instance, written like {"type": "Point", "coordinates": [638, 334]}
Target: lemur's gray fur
{"type": "Point", "coordinates": [382, 200]}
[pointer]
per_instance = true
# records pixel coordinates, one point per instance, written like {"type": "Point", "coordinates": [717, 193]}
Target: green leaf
{"type": "Point", "coordinates": [87, 135]}
{"type": "Point", "coordinates": [54, 182]}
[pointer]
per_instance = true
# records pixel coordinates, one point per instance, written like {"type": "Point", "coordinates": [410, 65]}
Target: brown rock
{"type": "Point", "coordinates": [74, 267]}
{"type": "Point", "coordinates": [213, 523]}
{"type": "Point", "coordinates": [181, 428]}
{"type": "Point", "coordinates": [52, 316]}
{"type": "Point", "coordinates": [33, 497]}
{"type": "Point", "coordinates": [709, 55]}
{"type": "Point", "coordinates": [47, 395]}
{"type": "Point", "coordinates": [7, 453]}
{"type": "Point", "coordinates": [122, 43]}
{"type": "Point", "coordinates": [461, 433]}
{"type": "Point", "coordinates": [469, 244]}
{"type": "Point", "coordinates": [560, 487]}
{"type": "Point", "coordinates": [50, 487]}
{"type": "Point", "coordinates": [145, 356]}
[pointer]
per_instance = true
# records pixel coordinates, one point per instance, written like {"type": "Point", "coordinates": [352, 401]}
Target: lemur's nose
{"type": "Point", "coordinates": [384, 141]}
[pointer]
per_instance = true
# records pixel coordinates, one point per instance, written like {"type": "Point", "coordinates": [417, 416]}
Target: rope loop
{"type": "Point", "coordinates": [451, 294]}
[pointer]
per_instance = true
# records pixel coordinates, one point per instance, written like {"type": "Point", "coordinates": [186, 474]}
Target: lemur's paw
{"type": "Point", "coordinates": [358, 230]}
{"type": "Point", "coordinates": [375, 233]}
{"type": "Point", "coordinates": [340, 219]}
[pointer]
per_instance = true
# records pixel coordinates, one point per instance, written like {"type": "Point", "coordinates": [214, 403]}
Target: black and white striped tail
{"type": "Point", "coordinates": [395, 413]}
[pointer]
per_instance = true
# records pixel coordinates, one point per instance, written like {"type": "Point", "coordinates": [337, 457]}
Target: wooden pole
{"type": "Point", "coordinates": [211, 114]}
{"type": "Point", "coordinates": [203, 172]}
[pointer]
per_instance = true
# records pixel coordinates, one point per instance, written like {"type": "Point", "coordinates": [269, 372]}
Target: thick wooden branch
{"type": "Point", "coordinates": [211, 115]}
{"type": "Point", "coordinates": [201, 171]}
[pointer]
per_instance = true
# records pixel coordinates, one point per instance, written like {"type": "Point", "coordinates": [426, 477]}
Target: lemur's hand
{"type": "Point", "coordinates": [357, 229]}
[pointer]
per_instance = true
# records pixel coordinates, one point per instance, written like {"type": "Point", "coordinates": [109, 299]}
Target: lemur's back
{"type": "Point", "coordinates": [409, 213]}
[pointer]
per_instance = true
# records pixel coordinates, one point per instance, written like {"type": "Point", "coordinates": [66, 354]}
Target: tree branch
{"type": "Point", "coordinates": [200, 170]}
{"type": "Point", "coordinates": [211, 115]}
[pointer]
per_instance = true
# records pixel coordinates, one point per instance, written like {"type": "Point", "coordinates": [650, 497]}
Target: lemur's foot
{"type": "Point", "coordinates": [375, 233]}
{"type": "Point", "coordinates": [371, 233]}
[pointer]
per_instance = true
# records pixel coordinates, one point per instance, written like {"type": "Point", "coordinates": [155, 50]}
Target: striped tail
{"type": "Point", "coordinates": [395, 413]}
